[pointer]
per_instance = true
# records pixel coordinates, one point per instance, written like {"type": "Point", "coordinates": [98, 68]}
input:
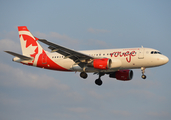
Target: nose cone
{"type": "Point", "coordinates": [164, 59]}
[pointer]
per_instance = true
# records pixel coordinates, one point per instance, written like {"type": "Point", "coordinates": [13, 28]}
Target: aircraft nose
{"type": "Point", "coordinates": [165, 59]}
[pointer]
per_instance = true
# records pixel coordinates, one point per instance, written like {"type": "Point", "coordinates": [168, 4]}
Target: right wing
{"type": "Point", "coordinates": [19, 56]}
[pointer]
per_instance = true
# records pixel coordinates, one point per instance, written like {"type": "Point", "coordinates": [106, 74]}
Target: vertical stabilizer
{"type": "Point", "coordinates": [29, 45]}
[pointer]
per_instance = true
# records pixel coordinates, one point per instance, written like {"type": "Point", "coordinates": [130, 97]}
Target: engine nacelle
{"type": "Point", "coordinates": [123, 75]}
{"type": "Point", "coordinates": [102, 64]}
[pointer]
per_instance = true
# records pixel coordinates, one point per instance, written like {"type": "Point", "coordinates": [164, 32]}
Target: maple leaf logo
{"type": "Point", "coordinates": [29, 45]}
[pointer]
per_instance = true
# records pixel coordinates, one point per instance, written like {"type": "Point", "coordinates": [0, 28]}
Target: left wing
{"type": "Point", "coordinates": [77, 57]}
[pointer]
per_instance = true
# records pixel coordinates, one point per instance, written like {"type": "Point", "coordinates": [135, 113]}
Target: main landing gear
{"type": "Point", "coordinates": [97, 81]}
{"type": "Point", "coordinates": [143, 71]}
{"type": "Point", "coordinates": [83, 75]}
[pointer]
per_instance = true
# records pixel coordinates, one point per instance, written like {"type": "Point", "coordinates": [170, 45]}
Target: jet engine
{"type": "Point", "coordinates": [123, 75]}
{"type": "Point", "coordinates": [102, 64]}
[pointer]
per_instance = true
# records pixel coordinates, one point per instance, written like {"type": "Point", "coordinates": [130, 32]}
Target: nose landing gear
{"type": "Point", "coordinates": [143, 71]}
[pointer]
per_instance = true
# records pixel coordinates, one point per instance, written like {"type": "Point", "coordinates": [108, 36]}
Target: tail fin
{"type": "Point", "coordinates": [29, 45]}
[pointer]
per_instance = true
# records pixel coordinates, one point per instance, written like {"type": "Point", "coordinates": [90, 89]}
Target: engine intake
{"type": "Point", "coordinates": [123, 75]}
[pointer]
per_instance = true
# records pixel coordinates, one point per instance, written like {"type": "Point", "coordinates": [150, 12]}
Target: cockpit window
{"type": "Point", "coordinates": [155, 52]}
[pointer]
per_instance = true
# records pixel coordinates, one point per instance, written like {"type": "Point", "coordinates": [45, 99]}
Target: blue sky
{"type": "Point", "coordinates": [33, 93]}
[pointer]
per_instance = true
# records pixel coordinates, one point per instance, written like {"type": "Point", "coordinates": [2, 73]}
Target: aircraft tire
{"type": "Point", "coordinates": [98, 82]}
{"type": "Point", "coordinates": [83, 75]}
{"type": "Point", "coordinates": [143, 76]}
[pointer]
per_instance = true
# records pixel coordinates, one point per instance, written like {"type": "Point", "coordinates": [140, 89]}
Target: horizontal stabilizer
{"type": "Point", "coordinates": [19, 56]}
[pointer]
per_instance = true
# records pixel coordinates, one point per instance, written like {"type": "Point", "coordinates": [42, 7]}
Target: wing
{"type": "Point", "coordinates": [19, 56]}
{"type": "Point", "coordinates": [76, 56]}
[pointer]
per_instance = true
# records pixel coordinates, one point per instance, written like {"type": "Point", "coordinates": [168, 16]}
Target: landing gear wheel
{"type": "Point", "coordinates": [143, 76]}
{"type": "Point", "coordinates": [98, 82]}
{"type": "Point", "coordinates": [83, 75]}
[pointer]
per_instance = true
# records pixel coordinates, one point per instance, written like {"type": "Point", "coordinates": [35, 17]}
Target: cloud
{"type": "Point", "coordinates": [145, 94]}
{"type": "Point", "coordinates": [146, 84]}
{"type": "Point", "coordinates": [94, 94]}
{"type": "Point", "coordinates": [97, 31]}
{"type": "Point", "coordinates": [78, 110]}
{"type": "Point", "coordinates": [9, 35]}
{"type": "Point", "coordinates": [15, 77]}
{"type": "Point", "coordinates": [59, 38]}
{"type": "Point", "coordinates": [8, 44]}
{"type": "Point", "coordinates": [9, 41]}
{"type": "Point", "coordinates": [158, 114]}
{"type": "Point", "coordinates": [121, 113]}
{"type": "Point", "coordinates": [97, 43]}
{"type": "Point", "coordinates": [7, 100]}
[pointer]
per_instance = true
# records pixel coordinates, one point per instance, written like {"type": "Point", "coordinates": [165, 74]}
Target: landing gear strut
{"type": "Point", "coordinates": [143, 71]}
{"type": "Point", "coordinates": [98, 81]}
{"type": "Point", "coordinates": [83, 75]}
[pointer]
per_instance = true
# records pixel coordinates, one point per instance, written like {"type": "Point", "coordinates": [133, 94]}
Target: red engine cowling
{"type": "Point", "coordinates": [123, 75]}
{"type": "Point", "coordinates": [102, 64]}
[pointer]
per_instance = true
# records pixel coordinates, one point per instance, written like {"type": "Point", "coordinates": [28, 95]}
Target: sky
{"type": "Point", "coordinates": [32, 93]}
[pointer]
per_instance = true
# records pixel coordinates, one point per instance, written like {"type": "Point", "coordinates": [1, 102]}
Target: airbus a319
{"type": "Point", "coordinates": [117, 63]}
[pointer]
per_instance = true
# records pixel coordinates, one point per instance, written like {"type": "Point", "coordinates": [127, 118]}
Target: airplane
{"type": "Point", "coordinates": [117, 63]}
